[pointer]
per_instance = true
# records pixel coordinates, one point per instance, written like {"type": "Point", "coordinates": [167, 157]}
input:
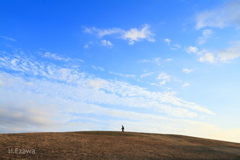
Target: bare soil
{"type": "Point", "coordinates": [113, 145]}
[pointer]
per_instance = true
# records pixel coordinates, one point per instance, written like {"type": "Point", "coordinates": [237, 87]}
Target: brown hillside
{"type": "Point", "coordinates": [113, 145]}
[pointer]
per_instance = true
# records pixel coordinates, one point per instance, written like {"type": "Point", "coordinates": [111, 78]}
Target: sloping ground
{"type": "Point", "coordinates": [113, 145]}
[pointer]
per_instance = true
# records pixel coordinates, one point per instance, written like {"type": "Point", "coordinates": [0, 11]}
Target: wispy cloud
{"type": "Point", "coordinates": [165, 78]}
{"type": "Point", "coordinates": [204, 55]}
{"type": "Point", "coordinates": [131, 35]}
{"type": "Point", "coordinates": [8, 38]}
{"type": "Point", "coordinates": [221, 16]}
{"type": "Point", "coordinates": [168, 41]}
{"type": "Point", "coordinates": [205, 35]}
{"type": "Point", "coordinates": [207, 57]}
{"type": "Point", "coordinates": [146, 74]}
{"type": "Point", "coordinates": [156, 60]}
{"type": "Point", "coordinates": [98, 68]}
{"type": "Point", "coordinates": [123, 75]}
{"type": "Point", "coordinates": [106, 43]}
{"type": "Point", "coordinates": [69, 84]}
{"type": "Point", "coordinates": [172, 46]}
{"type": "Point", "coordinates": [191, 49]}
{"type": "Point", "coordinates": [229, 53]}
{"type": "Point", "coordinates": [26, 115]}
{"type": "Point", "coordinates": [223, 55]}
{"type": "Point", "coordinates": [58, 57]}
{"type": "Point", "coordinates": [135, 35]}
{"type": "Point", "coordinates": [175, 47]}
{"type": "Point", "coordinates": [185, 70]}
{"type": "Point", "coordinates": [185, 84]}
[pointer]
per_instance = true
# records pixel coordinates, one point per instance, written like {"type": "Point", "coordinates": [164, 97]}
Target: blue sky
{"type": "Point", "coordinates": [153, 66]}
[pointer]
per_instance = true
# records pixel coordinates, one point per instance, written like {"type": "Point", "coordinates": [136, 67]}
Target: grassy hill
{"type": "Point", "coordinates": [113, 145]}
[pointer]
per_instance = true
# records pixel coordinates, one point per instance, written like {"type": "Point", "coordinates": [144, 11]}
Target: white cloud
{"type": "Point", "coordinates": [163, 82]}
{"type": "Point", "coordinates": [146, 74]}
{"type": "Point", "coordinates": [185, 70]}
{"type": "Point", "coordinates": [168, 41]}
{"type": "Point", "coordinates": [57, 57]}
{"type": "Point", "coordinates": [172, 47]}
{"type": "Point", "coordinates": [204, 55]}
{"type": "Point", "coordinates": [131, 35]}
{"type": "Point", "coordinates": [223, 55]}
{"type": "Point", "coordinates": [175, 47]}
{"type": "Point", "coordinates": [98, 68]}
{"type": "Point", "coordinates": [1, 83]}
{"type": "Point", "coordinates": [207, 57]}
{"type": "Point", "coordinates": [222, 16]}
{"type": "Point", "coordinates": [135, 34]}
{"type": "Point", "coordinates": [31, 116]}
{"type": "Point", "coordinates": [185, 84]}
{"type": "Point", "coordinates": [8, 38]}
{"type": "Point", "coordinates": [86, 46]}
{"type": "Point", "coordinates": [230, 53]}
{"type": "Point", "coordinates": [106, 43]}
{"type": "Point", "coordinates": [191, 49]}
{"type": "Point", "coordinates": [156, 60]}
{"type": "Point", "coordinates": [163, 76]}
{"type": "Point", "coordinates": [205, 35]}
{"type": "Point", "coordinates": [26, 115]}
{"type": "Point", "coordinates": [104, 32]}
{"type": "Point", "coordinates": [69, 84]}
{"type": "Point", "coordinates": [169, 59]}
{"type": "Point", "coordinates": [96, 83]}
{"type": "Point", "coordinates": [123, 75]}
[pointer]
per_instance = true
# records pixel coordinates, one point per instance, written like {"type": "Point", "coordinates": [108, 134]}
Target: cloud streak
{"type": "Point", "coordinates": [232, 52]}
{"type": "Point", "coordinates": [205, 35]}
{"type": "Point", "coordinates": [133, 35]}
{"type": "Point", "coordinates": [220, 17]}
{"type": "Point", "coordinates": [77, 86]}
{"type": "Point", "coordinates": [8, 38]}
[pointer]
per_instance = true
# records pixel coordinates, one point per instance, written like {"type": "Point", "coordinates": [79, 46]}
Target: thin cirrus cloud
{"type": "Point", "coordinates": [76, 86]}
{"type": "Point", "coordinates": [191, 49]}
{"type": "Point", "coordinates": [146, 74]}
{"type": "Point", "coordinates": [185, 70]}
{"type": "Point", "coordinates": [168, 41]}
{"type": "Point", "coordinates": [220, 17]}
{"type": "Point", "coordinates": [131, 35]}
{"type": "Point", "coordinates": [205, 35]}
{"type": "Point", "coordinates": [222, 55]}
{"type": "Point", "coordinates": [106, 43]}
{"type": "Point", "coordinates": [185, 84]}
{"type": "Point", "coordinates": [164, 77]}
{"type": "Point", "coordinates": [172, 46]}
{"type": "Point", "coordinates": [207, 57]}
{"type": "Point", "coordinates": [156, 60]}
{"type": "Point", "coordinates": [204, 55]}
{"type": "Point", "coordinates": [229, 53]}
{"type": "Point", "coordinates": [8, 38]}
{"type": "Point", "coordinates": [98, 68]}
{"type": "Point", "coordinates": [123, 75]}
{"type": "Point", "coordinates": [57, 57]}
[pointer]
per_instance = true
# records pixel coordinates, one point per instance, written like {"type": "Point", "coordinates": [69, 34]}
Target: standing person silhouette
{"type": "Point", "coordinates": [122, 128]}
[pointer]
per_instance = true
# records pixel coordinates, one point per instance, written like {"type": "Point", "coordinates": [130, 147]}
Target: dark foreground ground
{"type": "Point", "coordinates": [113, 145]}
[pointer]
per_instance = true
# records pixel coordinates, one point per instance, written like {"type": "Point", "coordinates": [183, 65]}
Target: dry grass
{"type": "Point", "coordinates": [115, 145]}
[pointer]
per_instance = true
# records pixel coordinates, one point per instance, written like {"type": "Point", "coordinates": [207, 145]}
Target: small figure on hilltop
{"type": "Point", "coordinates": [122, 128]}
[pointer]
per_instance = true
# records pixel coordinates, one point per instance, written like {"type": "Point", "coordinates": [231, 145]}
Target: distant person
{"type": "Point", "coordinates": [122, 128]}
